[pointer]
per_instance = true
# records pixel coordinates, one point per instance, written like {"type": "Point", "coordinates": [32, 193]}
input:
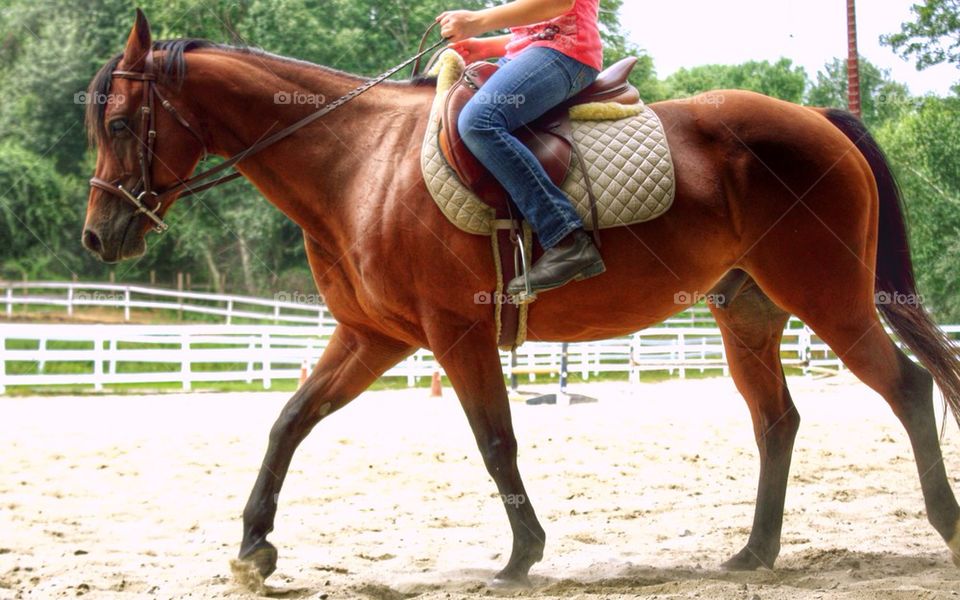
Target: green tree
{"type": "Point", "coordinates": [933, 37]}
{"type": "Point", "coordinates": [882, 98]}
{"type": "Point", "coordinates": [923, 146]}
{"type": "Point", "coordinates": [39, 216]}
{"type": "Point", "coordinates": [781, 79]}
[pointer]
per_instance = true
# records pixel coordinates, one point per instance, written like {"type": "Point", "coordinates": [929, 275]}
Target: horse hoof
{"type": "Point", "coordinates": [251, 571]}
{"type": "Point", "coordinates": [954, 545]}
{"type": "Point", "coordinates": [505, 583]}
{"type": "Point", "coordinates": [745, 560]}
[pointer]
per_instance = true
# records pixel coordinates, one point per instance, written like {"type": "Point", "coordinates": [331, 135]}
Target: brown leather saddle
{"type": "Point", "coordinates": [549, 137]}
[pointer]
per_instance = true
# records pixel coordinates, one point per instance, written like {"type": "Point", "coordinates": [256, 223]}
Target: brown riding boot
{"type": "Point", "coordinates": [573, 259]}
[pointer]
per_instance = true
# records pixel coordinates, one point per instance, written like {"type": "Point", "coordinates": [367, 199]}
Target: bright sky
{"type": "Point", "coordinates": [687, 33]}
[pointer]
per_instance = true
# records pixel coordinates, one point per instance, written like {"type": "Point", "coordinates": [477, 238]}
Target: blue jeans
{"type": "Point", "coordinates": [522, 90]}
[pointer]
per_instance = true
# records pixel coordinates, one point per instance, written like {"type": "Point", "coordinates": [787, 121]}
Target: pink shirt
{"type": "Point", "coordinates": [575, 33]}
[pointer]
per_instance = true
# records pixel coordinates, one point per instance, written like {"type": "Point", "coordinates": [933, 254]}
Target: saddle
{"type": "Point", "coordinates": [549, 137]}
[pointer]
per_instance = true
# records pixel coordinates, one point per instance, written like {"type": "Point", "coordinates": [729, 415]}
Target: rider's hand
{"type": "Point", "coordinates": [459, 25]}
{"type": "Point", "coordinates": [472, 49]}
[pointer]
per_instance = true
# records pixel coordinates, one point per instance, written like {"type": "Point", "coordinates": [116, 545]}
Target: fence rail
{"type": "Point", "coordinates": [99, 355]}
{"type": "Point", "coordinates": [292, 308]}
{"type": "Point", "coordinates": [95, 355]}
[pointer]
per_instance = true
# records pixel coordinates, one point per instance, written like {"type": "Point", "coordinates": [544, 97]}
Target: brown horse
{"type": "Point", "coordinates": [800, 199]}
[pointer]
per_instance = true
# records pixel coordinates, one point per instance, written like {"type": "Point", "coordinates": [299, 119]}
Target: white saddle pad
{"type": "Point", "coordinates": [628, 159]}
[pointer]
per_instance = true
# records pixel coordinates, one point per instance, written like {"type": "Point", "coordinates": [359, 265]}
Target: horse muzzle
{"type": "Point", "coordinates": [114, 244]}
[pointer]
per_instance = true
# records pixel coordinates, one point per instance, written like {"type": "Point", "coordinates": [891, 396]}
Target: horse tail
{"type": "Point", "coordinates": [896, 287]}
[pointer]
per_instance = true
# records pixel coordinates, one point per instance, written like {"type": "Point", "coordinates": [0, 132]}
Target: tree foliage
{"type": "Point", "coordinates": [924, 146]}
{"type": "Point", "coordinates": [881, 98]}
{"type": "Point", "coordinates": [931, 39]}
{"type": "Point", "coordinates": [780, 79]}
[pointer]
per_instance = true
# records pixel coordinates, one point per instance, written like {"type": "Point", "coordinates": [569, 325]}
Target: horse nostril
{"type": "Point", "coordinates": [91, 241]}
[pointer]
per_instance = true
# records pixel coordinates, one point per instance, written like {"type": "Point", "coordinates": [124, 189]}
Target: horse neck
{"type": "Point", "coordinates": [312, 175]}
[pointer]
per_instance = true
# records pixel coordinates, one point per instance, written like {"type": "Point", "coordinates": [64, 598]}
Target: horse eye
{"type": "Point", "coordinates": [118, 126]}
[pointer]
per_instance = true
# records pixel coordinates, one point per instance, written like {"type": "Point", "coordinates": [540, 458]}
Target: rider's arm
{"type": "Point", "coordinates": [522, 12]}
{"type": "Point", "coordinates": [495, 47]}
{"type": "Point", "coordinates": [462, 24]}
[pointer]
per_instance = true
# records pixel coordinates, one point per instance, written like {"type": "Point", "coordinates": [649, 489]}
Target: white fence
{"type": "Point", "coordinates": [39, 355]}
{"type": "Point", "coordinates": [289, 308]}
{"type": "Point", "coordinates": [98, 355]}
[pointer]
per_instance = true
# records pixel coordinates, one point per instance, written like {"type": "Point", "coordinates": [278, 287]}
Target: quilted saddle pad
{"type": "Point", "coordinates": [628, 159]}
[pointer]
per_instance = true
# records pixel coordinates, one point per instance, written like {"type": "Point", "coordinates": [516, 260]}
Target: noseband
{"type": "Point", "coordinates": [143, 193]}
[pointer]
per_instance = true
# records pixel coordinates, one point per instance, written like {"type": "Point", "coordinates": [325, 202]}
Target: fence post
{"type": "Point", "coordinates": [10, 301]}
{"type": "Point", "coordinates": [126, 303]}
{"type": "Point", "coordinates": [111, 364]}
{"type": "Point", "coordinates": [723, 357]}
{"type": "Point", "coordinates": [229, 311]}
{"type": "Point", "coordinates": [252, 348]}
{"type": "Point", "coordinates": [682, 353]}
{"type": "Point", "coordinates": [70, 300]}
{"type": "Point", "coordinates": [180, 297]}
{"type": "Point", "coordinates": [185, 361]}
{"type": "Point", "coordinates": [97, 363]}
{"type": "Point", "coordinates": [265, 365]}
{"type": "Point", "coordinates": [411, 366]}
{"type": "Point", "coordinates": [3, 363]}
{"type": "Point", "coordinates": [41, 350]}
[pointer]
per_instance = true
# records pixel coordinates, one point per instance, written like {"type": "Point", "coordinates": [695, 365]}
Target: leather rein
{"type": "Point", "coordinates": [142, 195]}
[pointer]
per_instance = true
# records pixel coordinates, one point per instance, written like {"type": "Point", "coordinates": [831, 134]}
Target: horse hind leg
{"type": "Point", "coordinates": [855, 333]}
{"type": "Point", "coordinates": [866, 349]}
{"type": "Point", "coordinates": [752, 328]}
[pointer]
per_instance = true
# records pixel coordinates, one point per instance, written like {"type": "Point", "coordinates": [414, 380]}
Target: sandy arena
{"type": "Point", "coordinates": [642, 495]}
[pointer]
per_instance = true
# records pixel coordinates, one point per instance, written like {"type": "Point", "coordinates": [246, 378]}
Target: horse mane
{"type": "Point", "coordinates": [173, 69]}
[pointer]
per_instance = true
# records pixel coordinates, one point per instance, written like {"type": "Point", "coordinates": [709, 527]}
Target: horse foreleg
{"type": "Point", "coordinates": [350, 363]}
{"type": "Point", "coordinates": [752, 328]}
{"type": "Point", "coordinates": [473, 366]}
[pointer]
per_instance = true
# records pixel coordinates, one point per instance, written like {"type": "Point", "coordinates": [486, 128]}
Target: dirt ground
{"type": "Point", "coordinates": [643, 495]}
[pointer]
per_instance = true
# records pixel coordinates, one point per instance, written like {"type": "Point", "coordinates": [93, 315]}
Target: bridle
{"type": "Point", "coordinates": [148, 201]}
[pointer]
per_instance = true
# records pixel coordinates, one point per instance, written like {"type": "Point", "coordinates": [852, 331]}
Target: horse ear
{"type": "Point", "coordinates": [138, 44]}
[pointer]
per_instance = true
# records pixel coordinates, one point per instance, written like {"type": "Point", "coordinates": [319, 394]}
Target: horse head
{"type": "Point", "coordinates": [141, 150]}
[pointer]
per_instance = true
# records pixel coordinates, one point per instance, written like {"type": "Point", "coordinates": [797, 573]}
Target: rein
{"type": "Point", "coordinates": [145, 152]}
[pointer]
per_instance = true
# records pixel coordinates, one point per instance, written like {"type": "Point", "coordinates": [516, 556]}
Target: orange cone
{"type": "Point", "coordinates": [303, 373]}
{"type": "Point", "coordinates": [436, 390]}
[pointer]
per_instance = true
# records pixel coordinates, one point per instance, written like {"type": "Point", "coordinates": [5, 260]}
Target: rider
{"type": "Point", "coordinates": [552, 53]}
